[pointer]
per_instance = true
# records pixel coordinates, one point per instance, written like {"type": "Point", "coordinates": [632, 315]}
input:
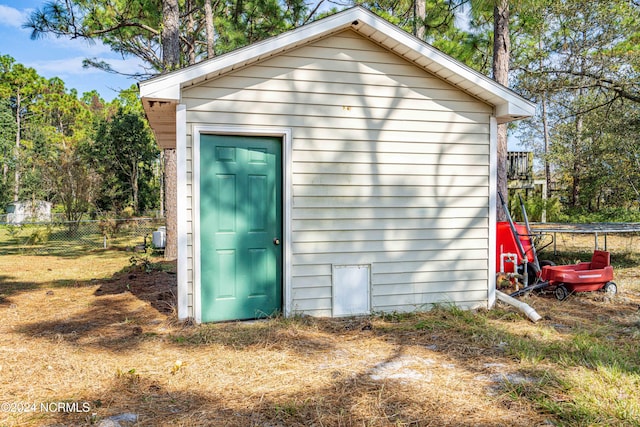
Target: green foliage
{"type": "Point", "coordinates": [535, 205]}
{"type": "Point", "coordinates": [7, 141]}
{"type": "Point", "coordinates": [21, 89]}
{"type": "Point", "coordinates": [144, 263]}
{"type": "Point", "coordinates": [395, 316]}
{"type": "Point", "coordinates": [238, 24]}
{"type": "Point", "coordinates": [39, 234]}
{"type": "Point", "coordinates": [128, 102]}
{"type": "Point", "coordinates": [124, 153]}
{"type": "Point", "coordinates": [471, 45]}
{"type": "Point", "coordinates": [135, 27]}
{"type": "Point", "coordinates": [576, 374]}
{"type": "Point", "coordinates": [581, 57]}
{"type": "Point", "coordinates": [74, 184]}
{"type": "Point", "coordinates": [613, 214]}
{"type": "Point", "coordinates": [52, 154]}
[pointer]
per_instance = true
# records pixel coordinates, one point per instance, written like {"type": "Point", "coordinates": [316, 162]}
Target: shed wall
{"type": "Point", "coordinates": [390, 169]}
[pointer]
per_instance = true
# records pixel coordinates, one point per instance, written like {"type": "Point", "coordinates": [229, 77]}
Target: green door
{"type": "Point", "coordinates": [240, 227]}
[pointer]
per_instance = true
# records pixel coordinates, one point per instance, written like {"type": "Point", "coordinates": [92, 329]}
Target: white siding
{"type": "Point", "coordinates": [390, 169]}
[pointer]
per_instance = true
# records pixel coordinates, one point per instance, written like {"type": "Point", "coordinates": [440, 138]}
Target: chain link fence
{"type": "Point", "coordinates": [74, 238]}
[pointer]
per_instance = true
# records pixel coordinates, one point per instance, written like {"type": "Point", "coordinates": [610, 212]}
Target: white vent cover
{"type": "Point", "coordinates": [351, 289]}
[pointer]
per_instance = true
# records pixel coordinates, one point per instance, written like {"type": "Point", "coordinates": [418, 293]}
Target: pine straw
{"type": "Point", "coordinates": [114, 344]}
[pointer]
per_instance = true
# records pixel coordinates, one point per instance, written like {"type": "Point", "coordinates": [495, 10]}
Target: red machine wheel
{"type": "Point", "coordinates": [561, 292]}
{"type": "Point", "coordinates": [610, 288]}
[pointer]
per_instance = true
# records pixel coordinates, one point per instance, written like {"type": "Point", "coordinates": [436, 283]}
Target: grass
{"type": "Point", "coordinates": [58, 239]}
{"type": "Point", "coordinates": [98, 332]}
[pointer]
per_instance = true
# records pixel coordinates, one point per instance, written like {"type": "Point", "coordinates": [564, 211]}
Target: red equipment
{"type": "Point", "coordinates": [516, 255]}
{"type": "Point", "coordinates": [508, 255]}
{"type": "Point", "coordinates": [516, 258]}
{"type": "Point", "coordinates": [582, 277]}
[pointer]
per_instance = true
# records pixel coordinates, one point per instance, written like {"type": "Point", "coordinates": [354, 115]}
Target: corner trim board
{"type": "Point", "coordinates": [181, 211]}
{"type": "Point", "coordinates": [493, 205]}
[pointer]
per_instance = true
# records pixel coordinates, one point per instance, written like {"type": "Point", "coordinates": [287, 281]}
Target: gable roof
{"type": "Point", "coordinates": [161, 94]}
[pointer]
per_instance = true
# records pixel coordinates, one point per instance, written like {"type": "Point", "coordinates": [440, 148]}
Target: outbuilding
{"type": "Point", "coordinates": [28, 211]}
{"type": "Point", "coordinates": [342, 168]}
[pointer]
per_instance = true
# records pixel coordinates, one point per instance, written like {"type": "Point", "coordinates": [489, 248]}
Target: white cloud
{"type": "Point", "coordinates": [11, 17]}
{"type": "Point", "coordinates": [87, 47]}
{"type": "Point", "coordinates": [72, 66]}
{"type": "Point", "coordinates": [128, 66]}
{"type": "Point", "coordinates": [14, 18]}
{"type": "Point", "coordinates": [60, 67]}
{"type": "Point", "coordinates": [70, 70]}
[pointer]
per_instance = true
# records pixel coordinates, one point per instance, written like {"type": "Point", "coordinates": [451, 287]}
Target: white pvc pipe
{"type": "Point", "coordinates": [525, 308]}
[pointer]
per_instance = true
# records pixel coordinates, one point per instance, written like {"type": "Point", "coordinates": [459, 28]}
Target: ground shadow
{"type": "Point", "coordinates": [155, 283]}
{"type": "Point", "coordinates": [113, 321]}
{"type": "Point", "coordinates": [9, 288]}
{"type": "Point", "coordinates": [347, 401]}
{"type": "Point", "coordinates": [587, 332]}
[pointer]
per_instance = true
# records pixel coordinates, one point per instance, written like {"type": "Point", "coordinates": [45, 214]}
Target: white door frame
{"type": "Point", "coordinates": [285, 134]}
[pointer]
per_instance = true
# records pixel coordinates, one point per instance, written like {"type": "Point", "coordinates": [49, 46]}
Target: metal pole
{"type": "Point", "coordinates": [513, 227]}
{"type": "Point", "coordinates": [526, 223]}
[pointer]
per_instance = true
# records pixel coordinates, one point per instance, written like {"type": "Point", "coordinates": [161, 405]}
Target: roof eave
{"type": "Point", "coordinates": [162, 93]}
{"type": "Point", "coordinates": [161, 114]}
{"type": "Point", "coordinates": [513, 111]}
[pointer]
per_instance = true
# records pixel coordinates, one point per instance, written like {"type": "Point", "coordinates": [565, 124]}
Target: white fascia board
{"type": "Point", "coordinates": [161, 88]}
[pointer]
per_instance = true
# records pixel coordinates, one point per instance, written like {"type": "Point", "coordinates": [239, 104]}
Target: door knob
{"type": "Point", "coordinates": [276, 241]}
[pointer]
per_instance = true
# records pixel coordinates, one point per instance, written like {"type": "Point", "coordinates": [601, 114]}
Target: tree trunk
{"type": "Point", "coordinates": [502, 159]}
{"type": "Point", "coordinates": [546, 136]}
{"type": "Point", "coordinates": [545, 129]}
{"type": "Point", "coordinates": [16, 184]}
{"type": "Point", "coordinates": [501, 52]}
{"type": "Point", "coordinates": [134, 187]}
{"type": "Point", "coordinates": [171, 61]}
{"type": "Point", "coordinates": [575, 182]}
{"type": "Point", "coordinates": [170, 35]}
{"type": "Point", "coordinates": [191, 24]}
{"type": "Point", "coordinates": [161, 176]}
{"type": "Point", "coordinates": [208, 18]}
{"type": "Point", "coordinates": [420, 14]}
{"type": "Point", "coordinates": [171, 202]}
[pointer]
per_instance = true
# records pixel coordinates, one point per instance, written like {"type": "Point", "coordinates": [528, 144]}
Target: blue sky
{"type": "Point", "coordinates": [60, 57]}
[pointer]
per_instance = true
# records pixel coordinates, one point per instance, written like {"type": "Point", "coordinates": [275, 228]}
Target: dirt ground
{"type": "Point", "coordinates": [110, 351]}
